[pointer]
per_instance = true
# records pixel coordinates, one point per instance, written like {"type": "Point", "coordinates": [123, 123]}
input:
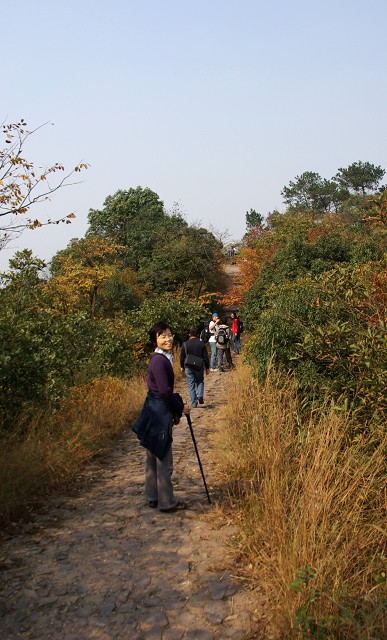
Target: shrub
{"type": "Point", "coordinates": [45, 353]}
{"type": "Point", "coordinates": [180, 313]}
{"type": "Point", "coordinates": [331, 332]}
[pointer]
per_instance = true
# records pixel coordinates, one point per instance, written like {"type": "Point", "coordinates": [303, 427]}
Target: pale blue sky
{"type": "Point", "coordinates": [214, 104]}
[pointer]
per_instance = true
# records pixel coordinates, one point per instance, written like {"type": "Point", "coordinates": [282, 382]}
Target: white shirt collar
{"type": "Point", "coordinates": [165, 353]}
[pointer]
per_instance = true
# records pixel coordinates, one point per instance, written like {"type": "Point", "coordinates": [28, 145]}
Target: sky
{"type": "Point", "coordinates": [213, 104]}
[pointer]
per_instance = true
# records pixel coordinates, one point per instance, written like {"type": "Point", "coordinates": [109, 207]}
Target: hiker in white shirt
{"type": "Point", "coordinates": [212, 341]}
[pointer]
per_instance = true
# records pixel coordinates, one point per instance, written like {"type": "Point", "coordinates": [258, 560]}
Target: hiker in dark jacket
{"type": "Point", "coordinates": [195, 366]}
{"type": "Point", "coordinates": [162, 409]}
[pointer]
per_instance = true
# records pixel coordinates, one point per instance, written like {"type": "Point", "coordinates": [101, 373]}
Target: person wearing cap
{"type": "Point", "coordinates": [212, 341]}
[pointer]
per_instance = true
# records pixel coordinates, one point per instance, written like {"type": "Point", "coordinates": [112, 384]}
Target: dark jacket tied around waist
{"type": "Point", "coordinates": [154, 425]}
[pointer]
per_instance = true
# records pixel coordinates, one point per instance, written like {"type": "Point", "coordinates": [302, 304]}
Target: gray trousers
{"type": "Point", "coordinates": [158, 480]}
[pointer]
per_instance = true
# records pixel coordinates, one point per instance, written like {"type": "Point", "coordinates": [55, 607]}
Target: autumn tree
{"type": "Point", "coordinates": [24, 186]}
{"type": "Point", "coordinates": [81, 271]}
{"type": "Point", "coordinates": [50, 339]}
{"type": "Point", "coordinates": [375, 209]}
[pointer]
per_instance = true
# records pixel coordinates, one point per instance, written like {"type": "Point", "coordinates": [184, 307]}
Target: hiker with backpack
{"type": "Point", "coordinates": [193, 362]}
{"type": "Point", "coordinates": [214, 322]}
{"type": "Point", "coordinates": [205, 334]}
{"type": "Point", "coordinates": [235, 332]}
{"type": "Point", "coordinates": [222, 337]}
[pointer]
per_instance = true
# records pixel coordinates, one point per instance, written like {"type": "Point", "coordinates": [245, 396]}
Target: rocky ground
{"type": "Point", "coordinates": [99, 563]}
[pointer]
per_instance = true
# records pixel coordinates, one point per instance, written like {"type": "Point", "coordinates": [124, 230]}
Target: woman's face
{"type": "Point", "coordinates": [164, 340]}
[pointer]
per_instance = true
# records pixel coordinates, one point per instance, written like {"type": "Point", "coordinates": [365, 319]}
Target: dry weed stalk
{"type": "Point", "coordinates": [311, 509]}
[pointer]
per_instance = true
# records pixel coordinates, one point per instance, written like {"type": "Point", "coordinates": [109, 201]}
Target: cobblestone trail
{"type": "Point", "coordinates": [100, 563]}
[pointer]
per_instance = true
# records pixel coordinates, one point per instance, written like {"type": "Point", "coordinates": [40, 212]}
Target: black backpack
{"type": "Point", "coordinates": [240, 326]}
{"type": "Point", "coordinates": [221, 337]}
{"type": "Point", "coordinates": [205, 333]}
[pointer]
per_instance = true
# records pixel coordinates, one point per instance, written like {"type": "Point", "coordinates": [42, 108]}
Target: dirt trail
{"type": "Point", "coordinates": [100, 563]}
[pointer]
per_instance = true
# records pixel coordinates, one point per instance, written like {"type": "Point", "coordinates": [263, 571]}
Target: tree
{"type": "Point", "coordinates": [311, 192]}
{"type": "Point", "coordinates": [375, 209]}
{"type": "Point", "coordinates": [360, 177]}
{"type": "Point", "coordinates": [23, 186]}
{"type": "Point", "coordinates": [181, 313]}
{"type": "Point", "coordinates": [81, 271]}
{"type": "Point", "coordinates": [253, 219]}
{"type": "Point", "coordinates": [189, 262]}
{"type": "Point", "coordinates": [133, 219]}
{"type": "Point", "coordinates": [23, 282]}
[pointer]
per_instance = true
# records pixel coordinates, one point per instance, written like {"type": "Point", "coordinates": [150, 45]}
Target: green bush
{"type": "Point", "coordinates": [44, 353]}
{"type": "Point", "coordinates": [331, 332]}
{"type": "Point", "coordinates": [180, 313]}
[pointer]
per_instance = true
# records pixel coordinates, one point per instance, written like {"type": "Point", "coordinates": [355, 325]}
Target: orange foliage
{"type": "Point", "coordinates": [250, 261]}
{"type": "Point", "coordinates": [376, 208]}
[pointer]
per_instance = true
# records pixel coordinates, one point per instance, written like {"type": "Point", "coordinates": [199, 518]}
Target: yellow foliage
{"type": "Point", "coordinates": [82, 273]}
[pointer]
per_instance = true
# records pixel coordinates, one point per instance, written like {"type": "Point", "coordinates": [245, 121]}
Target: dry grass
{"type": "Point", "coordinates": [311, 508]}
{"type": "Point", "coordinates": [51, 450]}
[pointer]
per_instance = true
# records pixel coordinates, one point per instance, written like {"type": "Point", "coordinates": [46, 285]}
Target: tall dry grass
{"type": "Point", "coordinates": [50, 450]}
{"type": "Point", "coordinates": [312, 510]}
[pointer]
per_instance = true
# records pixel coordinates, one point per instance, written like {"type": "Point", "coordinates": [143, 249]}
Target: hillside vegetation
{"type": "Point", "coordinates": [304, 448]}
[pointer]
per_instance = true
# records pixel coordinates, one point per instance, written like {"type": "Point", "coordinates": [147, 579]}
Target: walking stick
{"type": "Point", "coordinates": [197, 455]}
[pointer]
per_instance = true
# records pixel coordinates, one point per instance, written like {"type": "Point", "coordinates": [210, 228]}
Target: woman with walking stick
{"type": "Point", "coordinates": [162, 409]}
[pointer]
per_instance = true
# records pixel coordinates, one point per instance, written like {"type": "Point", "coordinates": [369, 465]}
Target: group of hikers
{"type": "Point", "coordinates": [195, 360]}
{"type": "Point", "coordinates": [163, 408]}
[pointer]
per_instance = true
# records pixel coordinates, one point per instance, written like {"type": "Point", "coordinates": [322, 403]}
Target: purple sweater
{"type": "Point", "coordinates": [160, 378]}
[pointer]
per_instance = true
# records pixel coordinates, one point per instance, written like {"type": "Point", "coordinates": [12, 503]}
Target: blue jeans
{"type": "Point", "coordinates": [236, 343]}
{"type": "Point", "coordinates": [195, 382]}
{"type": "Point", "coordinates": [213, 355]}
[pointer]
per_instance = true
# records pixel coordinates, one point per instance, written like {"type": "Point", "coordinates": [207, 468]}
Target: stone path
{"type": "Point", "coordinates": [100, 564]}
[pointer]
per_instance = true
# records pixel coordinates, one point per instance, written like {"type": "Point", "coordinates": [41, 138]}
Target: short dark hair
{"type": "Point", "coordinates": [157, 329]}
{"type": "Point", "coordinates": [193, 332]}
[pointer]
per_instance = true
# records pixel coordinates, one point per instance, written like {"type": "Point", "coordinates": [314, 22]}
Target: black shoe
{"type": "Point", "coordinates": [201, 401]}
{"type": "Point", "coordinates": [153, 504]}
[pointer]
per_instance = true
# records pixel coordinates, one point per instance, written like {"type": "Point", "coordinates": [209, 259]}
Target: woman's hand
{"type": "Point", "coordinates": [186, 409]}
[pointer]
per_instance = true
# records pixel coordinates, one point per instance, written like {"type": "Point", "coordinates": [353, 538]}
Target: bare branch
{"type": "Point", "coordinates": [23, 186]}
